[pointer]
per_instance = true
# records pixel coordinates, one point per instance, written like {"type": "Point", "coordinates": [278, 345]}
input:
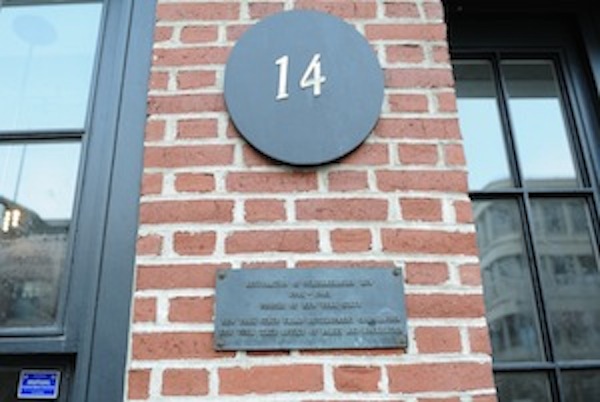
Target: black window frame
{"type": "Point", "coordinates": [93, 337]}
{"type": "Point", "coordinates": [490, 30]}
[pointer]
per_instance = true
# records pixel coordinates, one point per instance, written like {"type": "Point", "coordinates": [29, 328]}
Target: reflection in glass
{"type": "Point", "coordinates": [46, 58]}
{"type": "Point", "coordinates": [480, 126]}
{"type": "Point", "coordinates": [582, 386]}
{"type": "Point", "coordinates": [521, 387]}
{"type": "Point", "coordinates": [37, 190]}
{"type": "Point", "coordinates": [510, 307]}
{"type": "Point", "coordinates": [570, 274]}
{"type": "Point", "coordinates": [538, 124]}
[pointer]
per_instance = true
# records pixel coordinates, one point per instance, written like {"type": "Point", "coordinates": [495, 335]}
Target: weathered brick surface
{"type": "Point", "coordinates": [436, 377]}
{"type": "Point", "coordinates": [210, 201]}
{"type": "Point", "coordinates": [138, 384]}
{"type": "Point", "coordinates": [272, 379]}
{"type": "Point", "coordinates": [185, 382]}
{"type": "Point", "coordinates": [357, 378]}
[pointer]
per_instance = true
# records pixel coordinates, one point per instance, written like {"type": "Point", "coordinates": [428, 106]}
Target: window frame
{"type": "Point", "coordinates": [473, 35]}
{"type": "Point", "coordinates": [94, 331]}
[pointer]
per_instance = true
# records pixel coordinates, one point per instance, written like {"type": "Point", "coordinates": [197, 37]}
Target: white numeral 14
{"type": "Point", "coordinates": [312, 76]}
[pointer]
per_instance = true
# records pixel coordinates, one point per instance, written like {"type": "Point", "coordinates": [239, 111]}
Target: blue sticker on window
{"type": "Point", "coordinates": [39, 384]}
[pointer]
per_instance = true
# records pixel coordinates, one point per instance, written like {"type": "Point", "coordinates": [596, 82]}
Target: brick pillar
{"type": "Point", "coordinates": [210, 201]}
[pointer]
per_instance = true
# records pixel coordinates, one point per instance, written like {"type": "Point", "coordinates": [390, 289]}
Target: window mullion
{"type": "Point", "coordinates": [505, 120]}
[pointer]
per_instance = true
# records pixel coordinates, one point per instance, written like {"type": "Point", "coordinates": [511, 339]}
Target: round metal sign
{"type": "Point", "coordinates": [303, 87]}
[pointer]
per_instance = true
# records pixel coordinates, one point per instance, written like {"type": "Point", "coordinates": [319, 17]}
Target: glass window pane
{"type": "Point", "coordinates": [581, 385]}
{"type": "Point", "coordinates": [570, 274]}
{"type": "Point", "coordinates": [523, 387]}
{"type": "Point", "coordinates": [46, 60]}
{"type": "Point", "coordinates": [538, 123]}
{"type": "Point", "coordinates": [480, 126]}
{"type": "Point", "coordinates": [509, 299]}
{"type": "Point", "coordinates": [37, 190]}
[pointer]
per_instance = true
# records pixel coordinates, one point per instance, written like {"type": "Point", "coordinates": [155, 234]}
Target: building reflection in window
{"type": "Point", "coordinates": [569, 276]}
{"type": "Point", "coordinates": [36, 199]}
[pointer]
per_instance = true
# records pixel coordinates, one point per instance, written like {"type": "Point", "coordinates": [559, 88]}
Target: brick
{"type": "Point", "coordinates": [434, 11]}
{"type": "Point", "coordinates": [197, 128]}
{"type": "Point", "coordinates": [191, 309]}
{"type": "Point", "coordinates": [152, 183]}
{"type": "Point", "coordinates": [184, 276]}
{"type": "Point", "coordinates": [144, 309]}
{"type": "Point", "coordinates": [367, 154]}
{"type": "Point", "coordinates": [445, 306]}
{"type": "Point", "coordinates": [339, 209]}
{"type": "Point", "coordinates": [179, 382]}
{"type": "Point", "coordinates": [421, 209]}
{"type": "Point", "coordinates": [350, 240]}
{"type": "Point", "coordinates": [254, 158]}
{"type": "Point", "coordinates": [263, 9]}
{"type": "Point", "coordinates": [440, 377]}
{"type": "Point", "coordinates": [408, 53]}
{"type": "Point", "coordinates": [270, 379]}
{"type": "Point", "coordinates": [357, 378]}
{"type": "Point", "coordinates": [198, 11]}
{"type": "Point", "coordinates": [253, 241]}
{"type": "Point", "coordinates": [264, 210]}
{"type": "Point", "coordinates": [232, 132]}
{"type": "Point", "coordinates": [162, 34]}
{"type": "Point", "coordinates": [202, 243]}
{"type": "Point", "coordinates": [463, 211]}
{"type": "Point", "coordinates": [417, 32]}
{"type": "Point", "coordinates": [174, 345]}
{"type": "Point", "coordinates": [415, 241]}
{"type": "Point", "coordinates": [149, 245]}
{"type": "Point", "coordinates": [196, 79]}
{"type": "Point", "coordinates": [342, 9]}
{"type": "Point", "coordinates": [426, 273]}
{"type": "Point", "coordinates": [199, 34]}
{"type": "Point", "coordinates": [195, 182]}
{"type": "Point", "coordinates": [284, 182]}
{"type": "Point", "coordinates": [446, 102]}
{"type": "Point", "coordinates": [159, 80]}
{"type": "Point", "coordinates": [441, 54]}
{"type": "Point", "coordinates": [183, 156]}
{"type": "Point", "coordinates": [185, 104]}
{"type": "Point", "coordinates": [480, 341]}
{"type": "Point", "coordinates": [190, 56]}
{"type": "Point", "coordinates": [234, 32]}
{"type": "Point", "coordinates": [138, 384]}
{"type": "Point", "coordinates": [401, 10]}
{"type": "Point", "coordinates": [438, 339]}
{"type": "Point", "coordinates": [417, 180]}
{"type": "Point", "coordinates": [438, 400]}
{"type": "Point", "coordinates": [418, 78]}
{"type": "Point", "coordinates": [470, 275]}
{"type": "Point", "coordinates": [408, 103]}
{"type": "Point", "coordinates": [418, 128]}
{"type": "Point", "coordinates": [454, 155]}
{"type": "Point", "coordinates": [347, 181]}
{"type": "Point", "coordinates": [204, 211]}
{"type": "Point", "coordinates": [418, 154]}
{"type": "Point", "coordinates": [155, 130]}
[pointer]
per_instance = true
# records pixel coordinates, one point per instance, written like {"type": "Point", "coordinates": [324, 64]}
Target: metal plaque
{"type": "Point", "coordinates": [283, 309]}
{"type": "Point", "coordinates": [303, 87]}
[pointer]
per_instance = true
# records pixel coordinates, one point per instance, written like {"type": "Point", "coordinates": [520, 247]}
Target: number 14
{"type": "Point", "coordinates": [312, 76]}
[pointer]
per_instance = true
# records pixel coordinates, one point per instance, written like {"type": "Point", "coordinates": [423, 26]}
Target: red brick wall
{"type": "Point", "coordinates": [210, 201]}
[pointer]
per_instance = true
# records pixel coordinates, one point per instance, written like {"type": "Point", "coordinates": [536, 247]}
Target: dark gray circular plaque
{"type": "Point", "coordinates": [303, 87]}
